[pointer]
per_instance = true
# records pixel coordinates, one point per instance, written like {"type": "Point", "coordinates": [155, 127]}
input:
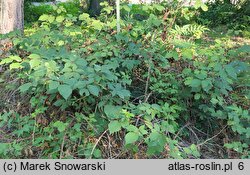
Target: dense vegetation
{"type": "Point", "coordinates": [166, 86]}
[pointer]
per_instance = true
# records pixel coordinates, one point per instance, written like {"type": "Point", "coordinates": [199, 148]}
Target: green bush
{"type": "Point", "coordinates": [234, 16]}
{"type": "Point", "coordinates": [32, 13]}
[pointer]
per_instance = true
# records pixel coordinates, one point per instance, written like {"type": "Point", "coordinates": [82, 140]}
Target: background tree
{"type": "Point", "coordinates": [11, 15]}
{"type": "Point", "coordinates": [94, 7]}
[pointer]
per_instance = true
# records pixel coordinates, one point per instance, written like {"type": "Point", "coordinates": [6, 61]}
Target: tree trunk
{"type": "Point", "coordinates": [94, 7]}
{"type": "Point", "coordinates": [11, 15]}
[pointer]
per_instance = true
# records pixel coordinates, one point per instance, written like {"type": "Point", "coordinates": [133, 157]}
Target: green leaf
{"type": "Point", "coordinates": [194, 150]}
{"type": "Point", "coordinates": [34, 56]}
{"type": "Point", "coordinates": [131, 137]}
{"type": "Point", "coordinates": [154, 21]}
{"type": "Point", "coordinates": [248, 132]}
{"type": "Point", "coordinates": [214, 101]}
{"type": "Point", "coordinates": [149, 124]}
{"type": "Point", "coordinates": [187, 53]}
{"type": "Point", "coordinates": [53, 85]}
{"type": "Point", "coordinates": [156, 142]}
{"type": "Point", "coordinates": [123, 93]}
{"type": "Point", "coordinates": [117, 89]}
{"type": "Point", "coordinates": [142, 130]}
{"type": "Point", "coordinates": [206, 85]}
{"type": "Point", "coordinates": [132, 128]}
{"type": "Point", "coordinates": [197, 96]}
{"type": "Point", "coordinates": [34, 62]}
{"type": "Point", "coordinates": [51, 66]}
{"type": "Point", "coordinates": [172, 54]}
{"type": "Point", "coordinates": [70, 81]}
{"type": "Point", "coordinates": [159, 7]}
{"type": "Point", "coordinates": [187, 151]}
{"type": "Point", "coordinates": [195, 83]}
{"type": "Point", "coordinates": [126, 8]}
{"type": "Point", "coordinates": [81, 63]}
{"type": "Point", "coordinates": [4, 148]}
{"type": "Point", "coordinates": [65, 91]}
{"type": "Point", "coordinates": [112, 111]}
{"type": "Point", "coordinates": [84, 91]}
{"type": "Point", "coordinates": [93, 89]}
{"type": "Point", "coordinates": [201, 74]}
{"type": "Point", "coordinates": [231, 71]}
{"type": "Point", "coordinates": [60, 126]}
{"type": "Point", "coordinates": [114, 126]}
{"type": "Point", "coordinates": [25, 87]}
{"type": "Point", "coordinates": [97, 153]}
{"type": "Point", "coordinates": [244, 48]}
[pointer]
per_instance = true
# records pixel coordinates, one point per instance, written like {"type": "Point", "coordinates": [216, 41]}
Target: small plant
{"type": "Point", "coordinates": [190, 30]}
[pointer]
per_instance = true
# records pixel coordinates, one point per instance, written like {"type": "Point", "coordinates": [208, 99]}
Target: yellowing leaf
{"type": "Point", "coordinates": [84, 16]}
{"type": "Point", "coordinates": [59, 19]}
{"type": "Point", "coordinates": [204, 7]}
{"type": "Point", "coordinates": [60, 43]}
{"type": "Point", "coordinates": [97, 25]}
{"type": "Point", "coordinates": [15, 66]}
{"type": "Point", "coordinates": [43, 17]}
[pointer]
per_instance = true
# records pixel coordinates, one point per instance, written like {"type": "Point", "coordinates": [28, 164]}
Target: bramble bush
{"type": "Point", "coordinates": [96, 93]}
